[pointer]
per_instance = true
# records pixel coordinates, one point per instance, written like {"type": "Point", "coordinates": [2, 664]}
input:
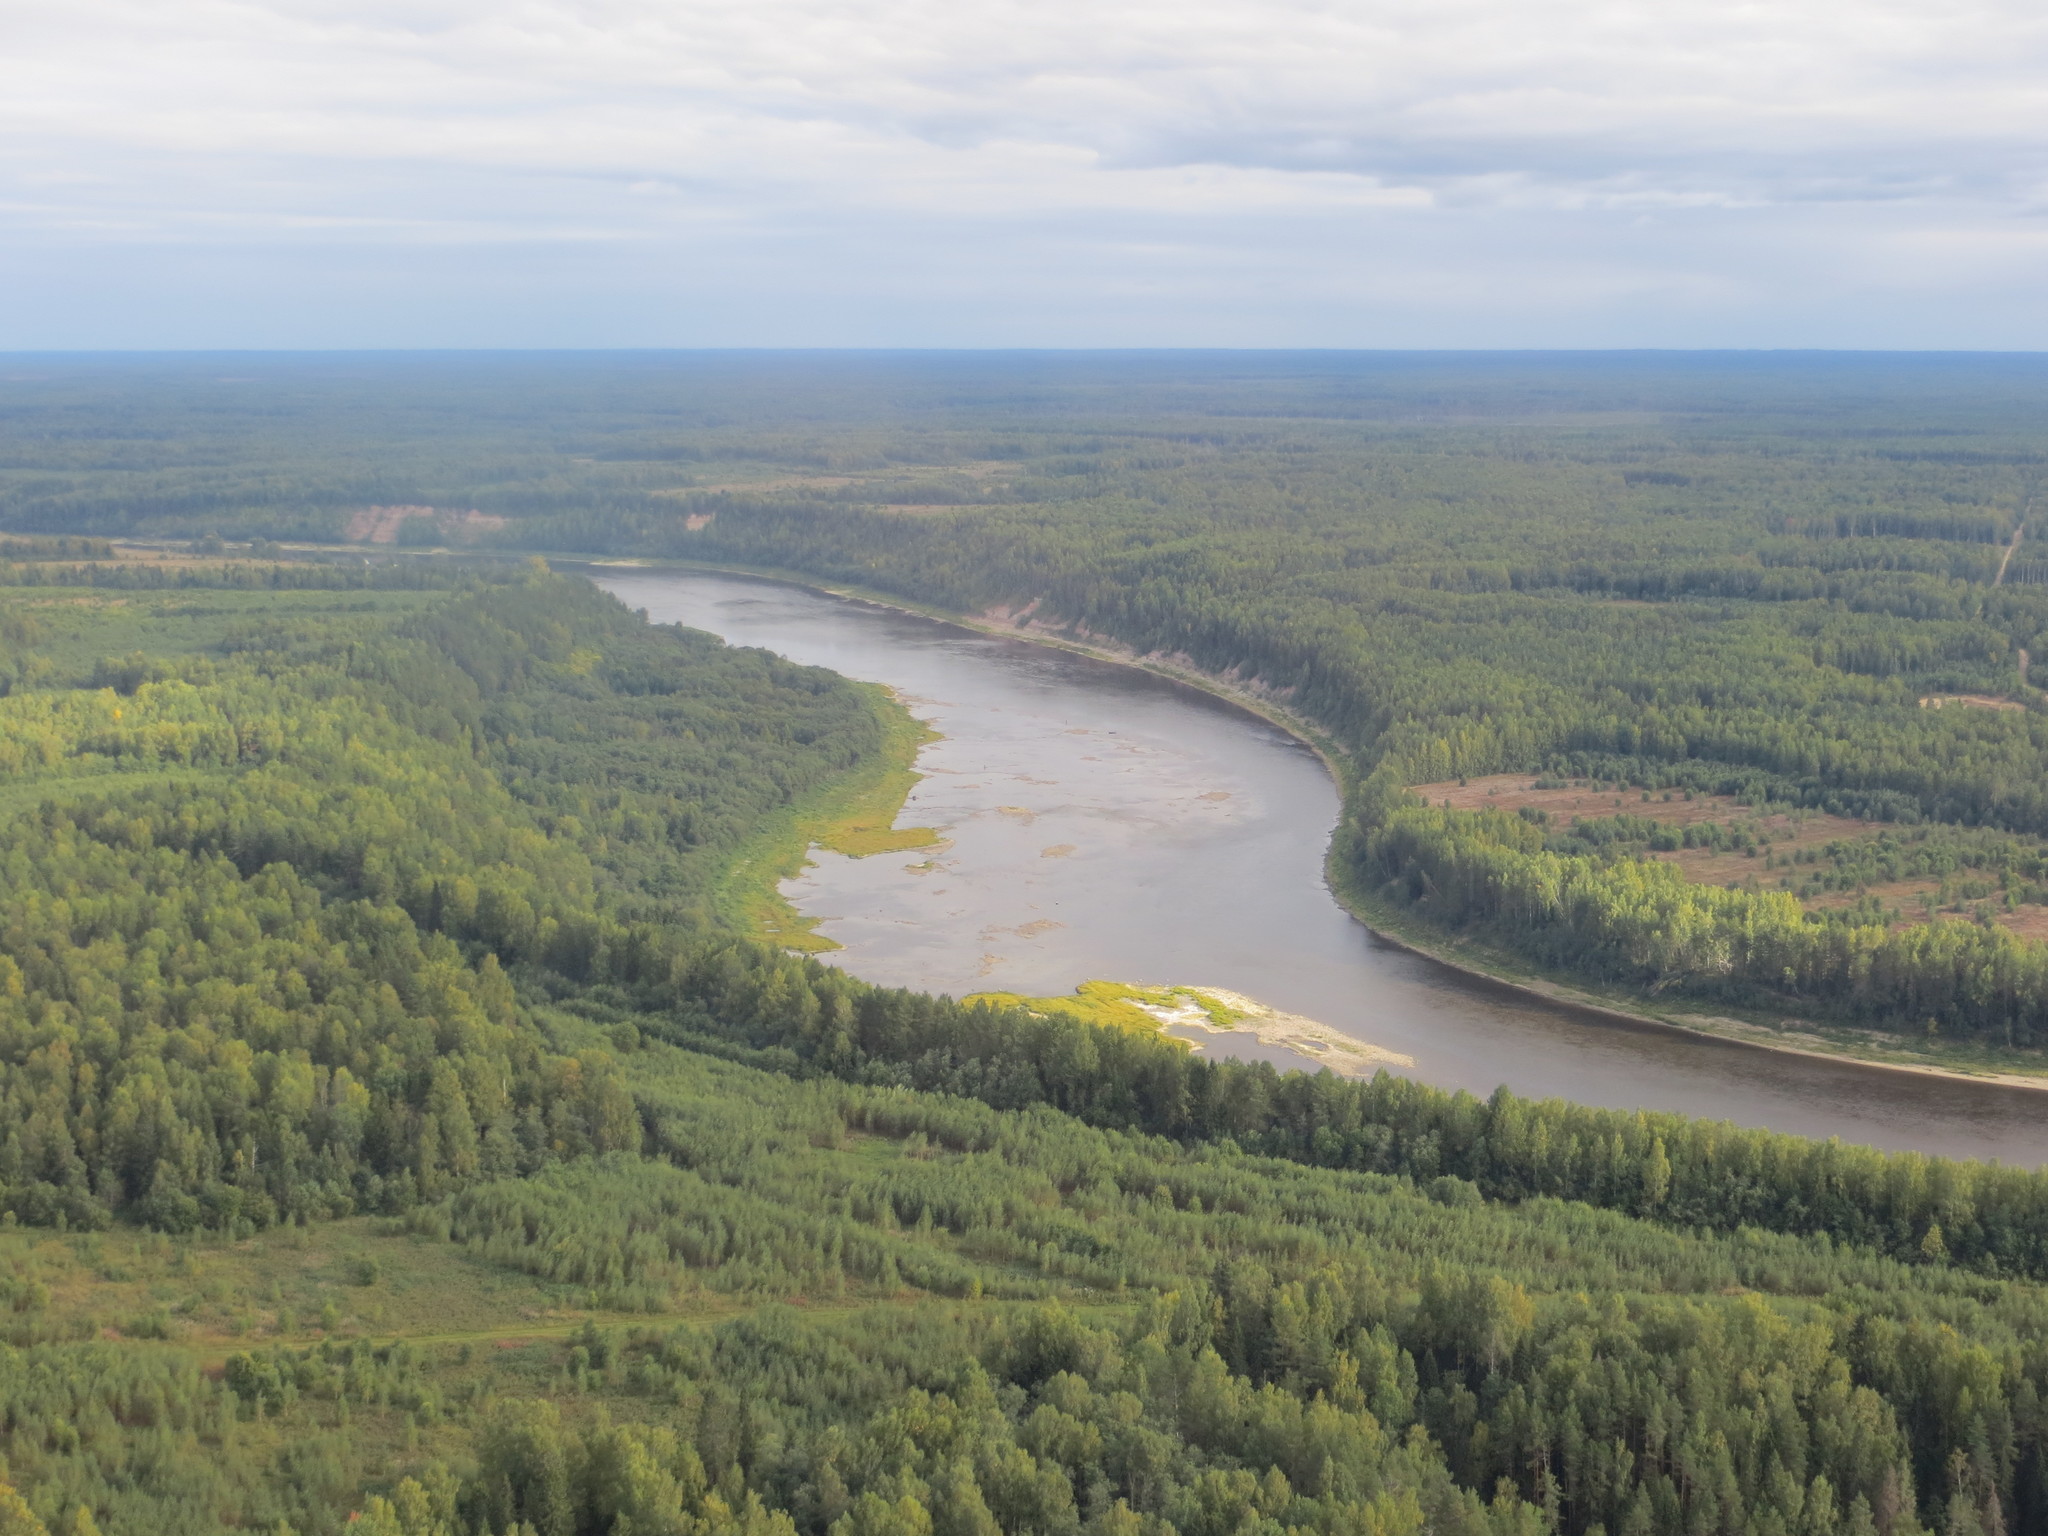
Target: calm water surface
{"type": "Point", "coordinates": [1103, 822]}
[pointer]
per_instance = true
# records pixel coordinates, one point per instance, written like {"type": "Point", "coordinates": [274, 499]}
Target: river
{"type": "Point", "coordinates": [1103, 822]}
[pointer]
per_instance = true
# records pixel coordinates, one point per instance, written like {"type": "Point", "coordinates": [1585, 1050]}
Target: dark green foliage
{"type": "Point", "coordinates": [60, 548]}
{"type": "Point", "coordinates": [255, 915]}
{"type": "Point", "coordinates": [1641, 921]}
{"type": "Point", "coordinates": [1400, 1357]}
{"type": "Point", "coordinates": [1663, 1166]}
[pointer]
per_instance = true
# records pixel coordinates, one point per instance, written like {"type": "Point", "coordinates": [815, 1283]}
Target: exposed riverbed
{"type": "Point", "coordinates": [1101, 822]}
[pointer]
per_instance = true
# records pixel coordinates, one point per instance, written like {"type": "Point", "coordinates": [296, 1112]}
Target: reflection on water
{"type": "Point", "coordinates": [1103, 822]}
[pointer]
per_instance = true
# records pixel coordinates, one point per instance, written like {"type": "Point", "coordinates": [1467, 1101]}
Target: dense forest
{"type": "Point", "coordinates": [370, 1009]}
{"type": "Point", "coordinates": [397, 1133]}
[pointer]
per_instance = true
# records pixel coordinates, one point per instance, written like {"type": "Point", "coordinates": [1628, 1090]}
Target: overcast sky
{"type": "Point", "coordinates": [1368, 173]}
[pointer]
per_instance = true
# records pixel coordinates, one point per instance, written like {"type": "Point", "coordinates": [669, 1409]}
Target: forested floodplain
{"type": "Point", "coordinates": [398, 1132]}
{"type": "Point", "coordinates": [397, 1136]}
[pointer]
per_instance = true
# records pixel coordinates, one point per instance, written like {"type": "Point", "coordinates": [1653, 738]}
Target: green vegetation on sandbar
{"type": "Point", "coordinates": [1155, 1009]}
{"type": "Point", "coordinates": [852, 816]}
{"type": "Point", "coordinates": [1121, 1005]}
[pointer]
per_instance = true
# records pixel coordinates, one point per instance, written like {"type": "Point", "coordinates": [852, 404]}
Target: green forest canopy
{"type": "Point", "coordinates": [363, 981]}
{"type": "Point", "coordinates": [394, 1135]}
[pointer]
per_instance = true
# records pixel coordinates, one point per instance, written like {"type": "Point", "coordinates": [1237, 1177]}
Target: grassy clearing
{"type": "Point", "coordinates": [854, 816]}
{"type": "Point", "coordinates": [362, 1277]}
{"type": "Point", "coordinates": [287, 1285]}
{"type": "Point", "coordinates": [858, 818]}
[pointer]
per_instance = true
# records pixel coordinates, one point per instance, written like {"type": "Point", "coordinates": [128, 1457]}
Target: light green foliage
{"type": "Point", "coordinates": [1221, 1336]}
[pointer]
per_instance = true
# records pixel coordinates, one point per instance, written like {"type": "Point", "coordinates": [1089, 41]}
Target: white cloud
{"type": "Point", "coordinates": [1240, 131]}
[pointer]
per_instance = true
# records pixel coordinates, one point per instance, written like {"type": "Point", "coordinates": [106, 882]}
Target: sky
{"type": "Point", "coordinates": [1057, 173]}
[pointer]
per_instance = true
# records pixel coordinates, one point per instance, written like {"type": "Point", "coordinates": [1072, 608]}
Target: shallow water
{"type": "Point", "coordinates": [1104, 822]}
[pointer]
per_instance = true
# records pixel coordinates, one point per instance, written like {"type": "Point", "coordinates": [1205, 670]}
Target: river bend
{"type": "Point", "coordinates": [1101, 821]}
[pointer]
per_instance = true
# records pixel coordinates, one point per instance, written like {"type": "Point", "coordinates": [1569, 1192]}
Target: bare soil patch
{"type": "Point", "coordinates": [380, 525]}
{"type": "Point", "coordinates": [1970, 701]}
{"type": "Point", "coordinates": [771, 483]}
{"type": "Point", "coordinates": [2027, 922]}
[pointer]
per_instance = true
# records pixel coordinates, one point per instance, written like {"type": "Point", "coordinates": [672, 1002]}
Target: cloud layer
{"type": "Point", "coordinates": [1406, 172]}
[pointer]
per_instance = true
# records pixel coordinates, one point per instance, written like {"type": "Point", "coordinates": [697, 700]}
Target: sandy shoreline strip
{"type": "Point", "coordinates": [1208, 1010]}
{"type": "Point", "coordinates": [1327, 1047]}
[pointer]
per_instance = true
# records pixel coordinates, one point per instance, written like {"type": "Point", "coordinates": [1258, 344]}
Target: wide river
{"type": "Point", "coordinates": [1104, 822]}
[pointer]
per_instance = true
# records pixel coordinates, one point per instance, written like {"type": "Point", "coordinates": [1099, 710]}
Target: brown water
{"type": "Point", "coordinates": [1104, 822]}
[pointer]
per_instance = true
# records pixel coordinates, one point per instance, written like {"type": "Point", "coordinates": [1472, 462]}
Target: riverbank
{"type": "Point", "coordinates": [1392, 925]}
{"type": "Point", "coordinates": [854, 816]}
{"type": "Point", "coordinates": [1252, 701]}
